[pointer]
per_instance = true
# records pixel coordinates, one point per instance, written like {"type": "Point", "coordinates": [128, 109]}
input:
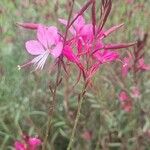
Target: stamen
{"type": "Point", "coordinates": [24, 65]}
{"type": "Point", "coordinates": [40, 60]}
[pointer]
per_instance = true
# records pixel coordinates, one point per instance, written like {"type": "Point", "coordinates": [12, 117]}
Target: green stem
{"type": "Point", "coordinates": [81, 97]}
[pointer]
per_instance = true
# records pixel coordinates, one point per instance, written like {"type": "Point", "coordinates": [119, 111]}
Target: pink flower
{"type": "Point", "coordinates": [125, 101]}
{"type": "Point", "coordinates": [142, 65]}
{"type": "Point", "coordinates": [19, 146]}
{"type": "Point", "coordinates": [123, 96]}
{"type": "Point", "coordinates": [79, 28]}
{"type": "Point", "coordinates": [47, 43]}
{"type": "Point", "coordinates": [34, 143]}
{"type": "Point", "coordinates": [29, 143]}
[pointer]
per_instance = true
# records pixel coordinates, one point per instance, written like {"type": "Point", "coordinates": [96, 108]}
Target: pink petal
{"type": "Point", "coordinates": [106, 56]}
{"type": "Point", "coordinates": [52, 35]}
{"type": "Point", "coordinates": [67, 52]}
{"type": "Point", "coordinates": [87, 31]}
{"type": "Point", "coordinates": [123, 96]}
{"type": "Point", "coordinates": [34, 143]}
{"type": "Point", "coordinates": [110, 56]}
{"type": "Point", "coordinates": [34, 47]}
{"type": "Point", "coordinates": [19, 146]}
{"type": "Point", "coordinates": [41, 35]}
{"type": "Point", "coordinates": [79, 23]}
{"type": "Point", "coordinates": [56, 52]}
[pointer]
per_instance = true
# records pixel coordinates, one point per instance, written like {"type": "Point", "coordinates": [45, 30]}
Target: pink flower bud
{"type": "Point", "coordinates": [32, 26]}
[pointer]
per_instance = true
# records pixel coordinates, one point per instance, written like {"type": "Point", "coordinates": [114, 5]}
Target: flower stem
{"type": "Point", "coordinates": [51, 110]}
{"type": "Point", "coordinates": [80, 101]}
{"type": "Point", "coordinates": [52, 106]}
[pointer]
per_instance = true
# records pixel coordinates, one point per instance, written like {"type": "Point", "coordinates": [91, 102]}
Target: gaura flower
{"type": "Point", "coordinates": [47, 43]}
{"type": "Point", "coordinates": [79, 28]}
{"type": "Point", "coordinates": [29, 143]}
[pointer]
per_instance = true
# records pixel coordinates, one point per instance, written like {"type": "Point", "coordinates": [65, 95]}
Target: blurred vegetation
{"type": "Point", "coordinates": [24, 95]}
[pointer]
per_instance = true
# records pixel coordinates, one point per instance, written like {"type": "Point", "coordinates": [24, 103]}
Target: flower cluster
{"type": "Point", "coordinates": [84, 47]}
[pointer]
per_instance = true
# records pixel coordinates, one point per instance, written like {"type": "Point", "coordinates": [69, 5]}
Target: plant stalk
{"type": "Point", "coordinates": [80, 101]}
{"type": "Point", "coordinates": [52, 107]}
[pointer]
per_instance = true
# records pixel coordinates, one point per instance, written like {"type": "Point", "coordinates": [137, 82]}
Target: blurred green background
{"type": "Point", "coordinates": [24, 95]}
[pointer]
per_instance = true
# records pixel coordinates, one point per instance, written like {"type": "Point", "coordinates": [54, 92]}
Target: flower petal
{"type": "Point", "coordinates": [52, 35]}
{"type": "Point", "coordinates": [87, 31]}
{"type": "Point", "coordinates": [34, 142]}
{"type": "Point", "coordinates": [41, 35]}
{"type": "Point", "coordinates": [34, 47]}
{"type": "Point", "coordinates": [19, 146]}
{"type": "Point", "coordinates": [106, 56]}
{"type": "Point", "coordinates": [56, 52]}
{"type": "Point", "coordinates": [79, 23]}
{"type": "Point", "coordinates": [67, 51]}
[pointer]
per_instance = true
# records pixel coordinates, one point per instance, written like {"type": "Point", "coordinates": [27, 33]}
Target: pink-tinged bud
{"type": "Point", "coordinates": [127, 64]}
{"type": "Point", "coordinates": [135, 92]}
{"type": "Point", "coordinates": [32, 26]}
{"type": "Point", "coordinates": [119, 46]}
{"type": "Point", "coordinates": [123, 96]}
{"type": "Point", "coordinates": [142, 66]}
{"type": "Point", "coordinates": [87, 135]}
{"type": "Point", "coordinates": [125, 101]}
{"type": "Point", "coordinates": [114, 28]}
{"type": "Point", "coordinates": [129, 1]}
